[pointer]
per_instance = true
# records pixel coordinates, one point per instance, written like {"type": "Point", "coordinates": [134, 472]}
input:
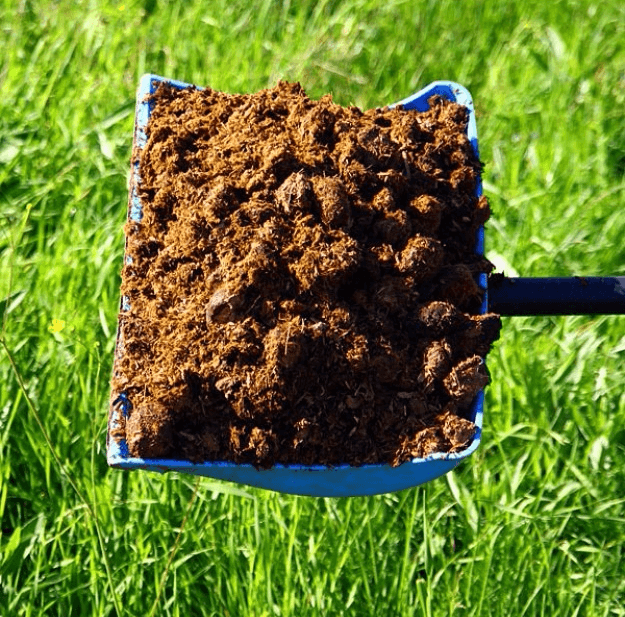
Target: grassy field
{"type": "Point", "coordinates": [532, 524]}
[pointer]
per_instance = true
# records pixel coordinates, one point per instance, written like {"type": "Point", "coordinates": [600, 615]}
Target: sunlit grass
{"type": "Point", "coordinates": [532, 524]}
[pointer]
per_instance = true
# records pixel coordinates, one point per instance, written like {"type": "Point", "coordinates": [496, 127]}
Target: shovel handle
{"type": "Point", "coordinates": [578, 295]}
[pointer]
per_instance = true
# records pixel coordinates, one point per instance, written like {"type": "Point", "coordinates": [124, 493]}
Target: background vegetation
{"type": "Point", "coordinates": [531, 524]}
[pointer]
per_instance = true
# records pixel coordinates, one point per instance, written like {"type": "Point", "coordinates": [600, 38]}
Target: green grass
{"type": "Point", "coordinates": [532, 524]}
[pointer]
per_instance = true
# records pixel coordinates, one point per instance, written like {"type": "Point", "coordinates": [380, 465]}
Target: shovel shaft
{"type": "Point", "coordinates": [579, 295]}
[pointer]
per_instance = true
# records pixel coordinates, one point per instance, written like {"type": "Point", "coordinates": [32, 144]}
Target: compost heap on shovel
{"type": "Point", "coordinates": [301, 285]}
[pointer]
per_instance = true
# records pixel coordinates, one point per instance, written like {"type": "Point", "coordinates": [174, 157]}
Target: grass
{"type": "Point", "coordinates": [532, 524]}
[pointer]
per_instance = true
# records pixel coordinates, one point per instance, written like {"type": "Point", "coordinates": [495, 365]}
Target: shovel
{"type": "Point", "coordinates": [503, 295]}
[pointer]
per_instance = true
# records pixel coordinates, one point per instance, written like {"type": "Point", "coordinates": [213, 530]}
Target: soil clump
{"type": "Point", "coordinates": [300, 287]}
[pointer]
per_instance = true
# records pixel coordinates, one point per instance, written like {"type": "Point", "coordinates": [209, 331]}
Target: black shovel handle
{"type": "Point", "coordinates": [578, 295]}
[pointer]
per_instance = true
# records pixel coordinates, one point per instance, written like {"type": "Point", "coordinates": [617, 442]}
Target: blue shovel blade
{"type": "Point", "coordinates": [312, 480]}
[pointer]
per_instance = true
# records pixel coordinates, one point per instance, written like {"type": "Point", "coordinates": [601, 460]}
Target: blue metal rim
{"type": "Point", "coordinates": [315, 480]}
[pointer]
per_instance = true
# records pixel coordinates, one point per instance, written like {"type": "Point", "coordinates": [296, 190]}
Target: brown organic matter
{"type": "Point", "coordinates": [301, 285]}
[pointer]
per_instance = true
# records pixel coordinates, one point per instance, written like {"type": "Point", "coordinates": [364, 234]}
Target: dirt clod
{"type": "Point", "coordinates": [301, 284]}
